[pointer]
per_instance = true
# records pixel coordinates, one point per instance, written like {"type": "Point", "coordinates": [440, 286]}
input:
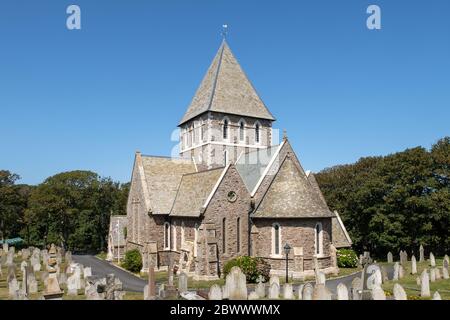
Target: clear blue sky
{"type": "Point", "coordinates": [88, 99]}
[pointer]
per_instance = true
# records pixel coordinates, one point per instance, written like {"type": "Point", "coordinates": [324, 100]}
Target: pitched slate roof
{"type": "Point", "coordinates": [162, 177]}
{"type": "Point", "coordinates": [312, 180]}
{"type": "Point", "coordinates": [339, 235]}
{"type": "Point", "coordinates": [290, 195]}
{"type": "Point", "coordinates": [193, 191]}
{"type": "Point", "coordinates": [251, 165]}
{"type": "Point", "coordinates": [225, 88]}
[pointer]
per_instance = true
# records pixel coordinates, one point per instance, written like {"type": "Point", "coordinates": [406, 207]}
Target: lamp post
{"type": "Point", "coordinates": [287, 248]}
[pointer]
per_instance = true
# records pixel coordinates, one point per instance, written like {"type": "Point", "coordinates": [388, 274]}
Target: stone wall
{"type": "Point", "coordinates": [298, 233]}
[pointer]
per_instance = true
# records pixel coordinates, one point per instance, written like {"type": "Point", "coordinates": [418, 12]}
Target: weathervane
{"type": "Point", "coordinates": [224, 31]}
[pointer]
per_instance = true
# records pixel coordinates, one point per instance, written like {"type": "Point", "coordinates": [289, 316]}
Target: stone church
{"type": "Point", "coordinates": [234, 190]}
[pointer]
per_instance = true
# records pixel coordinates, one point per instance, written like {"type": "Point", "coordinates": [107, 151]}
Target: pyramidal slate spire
{"type": "Point", "coordinates": [225, 88]}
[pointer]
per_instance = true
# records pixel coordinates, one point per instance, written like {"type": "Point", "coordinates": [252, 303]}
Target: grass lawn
{"type": "Point", "coordinates": [408, 282]}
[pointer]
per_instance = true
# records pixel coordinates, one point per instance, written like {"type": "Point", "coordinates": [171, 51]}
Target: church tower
{"type": "Point", "coordinates": [226, 116]}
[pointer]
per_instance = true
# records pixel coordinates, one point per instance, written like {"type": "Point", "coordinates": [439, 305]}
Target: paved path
{"type": "Point", "coordinates": [101, 268]}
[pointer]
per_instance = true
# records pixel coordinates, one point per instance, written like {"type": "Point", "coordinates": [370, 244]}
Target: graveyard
{"type": "Point", "coordinates": [52, 274]}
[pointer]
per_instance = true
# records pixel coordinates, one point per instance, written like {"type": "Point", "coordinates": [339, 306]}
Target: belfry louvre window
{"type": "Point", "coordinates": [225, 129]}
{"type": "Point", "coordinates": [241, 131]}
{"type": "Point", "coordinates": [257, 133]}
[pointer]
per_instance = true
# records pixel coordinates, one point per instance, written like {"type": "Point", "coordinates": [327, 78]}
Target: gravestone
{"type": "Point", "coordinates": [401, 257]}
{"type": "Point", "coordinates": [23, 265]}
{"type": "Point", "coordinates": [183, 282]}
{"type": "Point", "coordinates": [13, 287]}
{"type": "Point", "coordinates": [436, 296]}
{"type": "Point", "coordinates": [432, 274]}
{"type": "Point", "coordinates": [253, 296]}
{"type": "Point", "coordinates": [401, 272]}
{"type": "Point", "coordinates": [308, 291]}
{"type": "Point", "coordinates": [399, 292]}
{"type": "Point", "coordinates": [438, 274]}
{"type": "Point", "coordinates": [215, 292]}
{"type": "Point", "coordinates": [356, 288]}
{"type": "Point", "coordinates": [11, 273]}
{"type": "Point", "coordinates": [384, 274]}
{"type": "Point", "coordinates": [321, 279]}
{"type": "Point", "coordinates": [390, 258]}
{"type": "Point", "coordinates": [342, 291]}
{"type": "Point", "coordinates": [288, 292]}
{"type": "Point", "coordinates": [87, 272]}
{"type": "Point", "coordinates": [73, 284]}
{"type": "Point", "coordinates": [32, 286]}
{"type": "Point", "coordinates": [413, 265]}
{"type": "Point", "coordinates": [321, 292]}
{"type": "Point", "coordinates": [224, 292]}
{"type": "Point", "coordinates": [53, 290]}
{"type": "Point", "coordinates": [236, 284]}
{"type": "Point", "coordinates": [300, 292]}
{"type": "Point", "coordinates": [260, 288]}
{"type": "Point", "coordinates": [44, 276]}
{"type": "Point", "coordinates": [424, 284]}
{"type": "Point", "coordinates": [62, 279]}
{"type": "Point", "coordinates": [25, 254]}
{"type": "Point", "coordinates": [150, 293]}
{"type": "Point", "coordinates": [418, 281]}
{"type": "Point", "coordinates": [378, 293]}
{"type": "Point", "coordinates": [445, 272]}
{"type": "Point", "coordinates": [274, 291]}
{"type": "Point", "coordinates": [432, 260]}
{"type": "Point", "coordinates": [396, 271]}
{"type": "Point", "coordinates": [274, 279]}
{"type": "Point", "coordinates": [421, 254]}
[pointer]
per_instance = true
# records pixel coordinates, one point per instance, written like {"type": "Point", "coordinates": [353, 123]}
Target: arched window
{"type": "Point", "coordinates": [182, 234]}
{"type": "Point", "coordinates": [166, 236]}
{"type": "Point", "coordinates": [195, 239]}
{"type": "Point", "coordinates": [257, 132]}
{"type": "Point", "coordinates": [276, 239]}
{"type": "Point", "coordinates": [241, 130]}
{"type": "Point", "coordinates": [224, 235]}
{"type": "Point", "coordinates": [174, 244]}
{"type": "Point", "coordinates": [238, 235]}
{"type": "Point", "coordinates": [225, 129]}
{"type": "Point", "coordinates": [225, 157]}
{"type": "Point", "coordinates": [318, 239]}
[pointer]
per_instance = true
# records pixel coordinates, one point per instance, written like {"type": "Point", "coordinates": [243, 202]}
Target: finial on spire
{"type": "Point", "coordinates": [284, 134]}
{"type": "Point", "coordinates": [224, 31]}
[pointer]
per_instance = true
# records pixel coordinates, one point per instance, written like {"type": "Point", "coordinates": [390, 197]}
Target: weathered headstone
{"type": "Point", "coordinates": [438, 274]}
{"type": "Point", "coordinates": [260, 288]}
{"type": "Point", "coordinates": [300, 292]}
{"type": "Point", "coordinates": [396, 271]}
{"type": "Point", "coordinates": [424, 284]}
{"type": "Point", "coordinates": [399, 292]}
{"type": "Point", "coordinates": [182, 282]}
{"type": "Point", "coordinates": [87, 272]}
{"type": "Point", "coordinates": [432, 260]}
{"type": "Point", "coordinates": [73, 284]}
{"type": "Point", "coordinates": [236, 284]}
{"type": "Point", "coordinates": [432, 274]}
{"type": "Point", "coordinates": [390, 258]}
{"type": "Point", "coordinates": [356, 288]}
{"type": "Point", "coordinates": [413, 265]}
{"type": "Point", "coordinates": [445, 273]}
{"type": "Point", "coordinates": [401, 272]}
{"type": "Point", "coordinates": [418, 281]}
{"type": "Point", "coordinates": [253, 296]}
{"type": "Point", "coordinates": [32, 286]}
{"type": "Point", "coordinates": [275, 279]}
{"type": "Point", "coordinates": [13, 286]}
{"type": "Point", "coordinates": [274, 291]}
{"type": "Point", "coordinates": [321, 292]}
{"type": "Point", "coordinates": [378, 293]}
{"type": "Point", "coordinates": [150, 293]}
{"type": "Point", "coordinates": [23, 265]}
{"type": "Point", "coordinates": [342, 291]}
{"type": "Point", "coordinates": [384, 274]}
{"type": "Point", "coordinates": [288, 292]}
{"type": "Point", "coordinates": [215, 292]}
{"type": "Point", "coordinates": [308, 291]}
{"type": "Point", "coordinates": [11, 273]}
{"type": "Point", "coordinates": [421, 254]}
{"type": "Point", "coordinates": [320, 279]}
{"type": "Point", "coordinates": [436, 296]}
